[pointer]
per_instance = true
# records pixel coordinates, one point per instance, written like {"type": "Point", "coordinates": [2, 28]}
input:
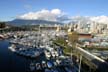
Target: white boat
{"type": "Point", "coordinates": [44, 65]}
{"type": "Point", "coordinates": [56, 54]}
{"type": "Point", "coordinates": [42, 46]}
{"type": "Point", "coordinates": [12, 48]}
{"type": "Point", "coordinates": [53, 54]}
{"type": "Point", "coordinates": [58, 61]}
{"type": "Point", "coordinates": [38, 66]}
{"type": "Point", "coordinates": [47, 54]}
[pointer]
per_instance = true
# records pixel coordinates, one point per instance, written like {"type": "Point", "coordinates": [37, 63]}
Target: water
{"type": "Point", "coordinates": [10, 62]}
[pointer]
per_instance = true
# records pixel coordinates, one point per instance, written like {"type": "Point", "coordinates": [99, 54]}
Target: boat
{"type": "Point", "coordinates": [67, 69]}
{"type": "Point", "coordinates": [38, 66]}
{"type": "Point", "coordinates": [48, 70]}
{"type": "Point", "coordinates": [36, 53]}
{"type": "Point", "coordinates": [54, 70]}
{"type": "Point", "coordinates": [49, 64]}
{"type": "Point", "coordinates": [56, 54]}
{"type": "Point", "coordinates": [47, 54]}
{"type": "Point", "coordinates": [32, 67]}
{"type": "Point", "coordinates": [41, 46]}
{"type": "Point", "coordinates": [28, 52]}
{"type": "Point", "coordinates": [53, 54]}
{"type": "Point", "coordinates": [2, 37]}
{"type": "Point", "coordinates": [58, 62]}
{"type": "Point", "coordinates": [44, 64]}
{"type": "Point", "coordinates": [12, 48]}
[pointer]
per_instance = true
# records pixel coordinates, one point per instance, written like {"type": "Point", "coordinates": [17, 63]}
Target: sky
{"type": "Point", "coordinates": [10, 9]}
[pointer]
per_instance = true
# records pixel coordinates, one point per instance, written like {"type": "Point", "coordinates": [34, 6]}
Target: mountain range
{"type": "Point", "coordinates": [75, 19]}
{"type": "Point", "coordinates": [20, 22]}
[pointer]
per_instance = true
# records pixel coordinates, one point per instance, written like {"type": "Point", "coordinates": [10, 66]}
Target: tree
{"type": "Point", "coordinates": [2, 24]}
{"type": "Point", "coordinates": [73, 38]}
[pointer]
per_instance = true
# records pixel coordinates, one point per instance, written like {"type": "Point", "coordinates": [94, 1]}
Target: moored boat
{"type": "Point", "coordinates": [12, 48]}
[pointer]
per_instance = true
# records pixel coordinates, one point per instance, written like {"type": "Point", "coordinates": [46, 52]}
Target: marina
{"type": "Point", "coordinates": [41, 54]}
{"type": "Point", "coordinates": [28, 64]}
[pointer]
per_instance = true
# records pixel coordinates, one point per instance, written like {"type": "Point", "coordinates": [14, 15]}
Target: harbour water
{"type": "Point", "coordinates": [10, 62]}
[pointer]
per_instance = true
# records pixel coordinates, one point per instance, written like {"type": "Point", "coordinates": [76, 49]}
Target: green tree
{"type": "Point", "coordinates": [73, 38]}
{"type": "Point", "coordinates": [2, 24]}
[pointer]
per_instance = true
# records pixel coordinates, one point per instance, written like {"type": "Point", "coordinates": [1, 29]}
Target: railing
{"type": "Point", "coordinates": [89, 55]}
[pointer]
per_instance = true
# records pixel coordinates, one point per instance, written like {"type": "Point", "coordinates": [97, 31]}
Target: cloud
{"type": "Point", "coordinates": [44, 14]}
{"type": "Point", "coordinates": [56, 11]}
{"type": "Point", "coordinates": [100, 19]}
